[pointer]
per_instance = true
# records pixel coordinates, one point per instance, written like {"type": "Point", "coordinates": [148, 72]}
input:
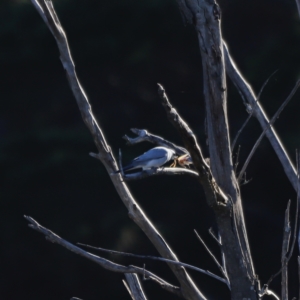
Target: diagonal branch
{"type": "Point", "coordinates": [249, 98]}
{"type": "Point", "coordinates": [271, 123]}
{"type": "Point", "coordinates": [188, 266]}
{"type": "Point", "coordinates": [250, 111]}
{"type": "Point", "coordinates": [213, 193]}
{"type": "Point", "coordinates": [221, 268]}
{"type": "Point", "coordinates": [286, 235]}
{"type": "Point", "coordinates": [298, 6]}
{"type": "Point", "coordinates": [47, 12]}
{"type": "Point", "coordinates": [134, 286]}
{"type": "Point", "coordinates": [104, 263]}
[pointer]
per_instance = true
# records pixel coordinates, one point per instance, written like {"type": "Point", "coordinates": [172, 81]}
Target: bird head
{"type": "Point", "coordinates": [183, 160]}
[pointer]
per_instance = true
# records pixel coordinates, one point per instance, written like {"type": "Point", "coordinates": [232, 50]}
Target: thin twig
{"type": "Point", "coordinates": [237, 159]}
{"type": "Point", "coordinates": [120, 163]}
{"type": "Point", "coordinates": [285, 248]}
{"type": "Point", "coordinates": [223, 257]}
{"type": "Point", "coordinates": [105, 263]}
{"type": "Point", "coordinates": [272, 121]}
{"type": "Point", "coordinates": [213, 257]}
{"type": "Point", "coordinates": [251, 111]}
{"type": "Point", "coordinates": [291, 250]}
{"type": "Point", "coordinates": [296, 212]}
{"type": "Point", "coordinates": [240, 131]}
{"type": "Point", "coordinates": [188, 266]}
{"type": "Point", "coordinates": [249, 98]}
{"type": "Point", "coordinates": [211, 232]}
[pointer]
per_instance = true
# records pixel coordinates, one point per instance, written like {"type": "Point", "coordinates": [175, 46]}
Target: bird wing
{"type": "Point", "coordinates": [155, 153]}
{"type": "Point", "coordinates": [155, 157]}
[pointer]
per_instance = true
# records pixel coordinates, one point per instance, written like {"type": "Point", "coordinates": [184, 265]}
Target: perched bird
{"type": "Point", "coordinates": [154, 158]}
{"type": "Point", "coordinates": [183, 160]}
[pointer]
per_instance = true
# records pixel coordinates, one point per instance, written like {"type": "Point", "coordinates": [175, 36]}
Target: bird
{"type": "Point", "coordinates": [183, 160]}
{"type": "Point", "coordinates": [153, 158]}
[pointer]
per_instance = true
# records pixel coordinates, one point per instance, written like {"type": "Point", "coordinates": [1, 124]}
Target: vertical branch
{"type": "Point", "coordinates": [285, 248]}
{"type": "Point", "coordinates": [206, 15]}
{"type": "Point", "coordinates": [134, 287]}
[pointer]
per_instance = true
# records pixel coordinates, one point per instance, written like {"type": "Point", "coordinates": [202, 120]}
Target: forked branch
{"type": "Point", "coordinates": [47, 12]}
{"type": "Point", "coordinates": [104, 263]}
{"type": "Point", "coordinates": [271, 123]}
{"type": "Point", "coordinates": [134, 286]}
{"type": "Point", "coordinates": [249, 99]}
{"type": "Point", "coordinates": [179, 263]}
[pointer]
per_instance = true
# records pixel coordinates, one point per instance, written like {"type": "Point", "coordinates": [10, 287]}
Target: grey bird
{"type": "Point", "coordinates": [153, 158]}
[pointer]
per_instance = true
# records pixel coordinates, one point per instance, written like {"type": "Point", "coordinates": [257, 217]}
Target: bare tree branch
{"type": "Point", "coordinates": [251, 111]}
{"type": "Point", "coordinates": [249, 98]}
{"type": "Point", "coordinates": [104, 263]}
{"type": "Point", "coordinates": [47, 12]}
{"type": "Point", "coordinates": [134, 286]}
{"type": "Point", "coordinates": [286, 227]}
{"type": "Point", "coordinates": [214, 258]}
{"type": "Point", "coordinates": [160, 171]}
{"type": "Point", "coordinates": [188, 266]}
{"type": "Point", "coordinates": [265, 291]}
{"type": "Point", "coordinates": [212, 191]}
{"type": "Point", "coordinates": [240, 131]}
{"type": "Point", "coordinates": [223, 257]}
{"type": "Point", "coordinates": [271, 123]}
{"type": "Point", "coordinates": [298, 6]}
{"type": "Point", "coordinates": [285, 248]}
{"type": "Point", "coordinates": [205, 15]}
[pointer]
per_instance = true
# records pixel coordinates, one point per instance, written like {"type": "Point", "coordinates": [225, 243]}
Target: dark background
{"type": "Point", "coordinates": [121, 50]}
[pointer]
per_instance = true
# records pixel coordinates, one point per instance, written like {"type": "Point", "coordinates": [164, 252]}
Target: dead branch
{"type": "Point", "coordinates": [134, 286]}
{"type": "Point", "coordinates": [271, 123]}
{"type": "Point", "coordinates": [188, 266]}
{"type": "Point", "coordinates": [298, 6]}
{"type": "Point", "coordinates": [206, 15]}
{"type": "Point", "coordinates": [104, 263]}
{"type": "Point", "coordinates": [159, 171]}
{"type": "Point", "coordinates": [285, 249]}
{"type": "Point", "coordinates": [47, 12]}
{"type": "Point", "coordinates": [221, 268]}
{"type": "Point", "coordinates": [249, 99]}
{"type": "Point", "coordinates": [250, 111]}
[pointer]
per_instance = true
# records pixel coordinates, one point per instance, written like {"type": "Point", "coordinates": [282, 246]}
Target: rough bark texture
{"type": "Point", "coordinates": [205, 15]}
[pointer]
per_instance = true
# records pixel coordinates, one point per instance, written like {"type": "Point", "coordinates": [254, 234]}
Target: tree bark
{"type": "Point", "coordinates": [205, 16]}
